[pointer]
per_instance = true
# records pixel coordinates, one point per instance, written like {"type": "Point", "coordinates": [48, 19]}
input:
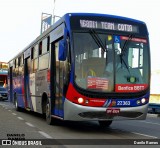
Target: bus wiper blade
{"type": "Point", "coordinates": [126, 43]}
{"type": "Point", "coordinates": [97, 39]}
{"type": "Point", "coordinates": [123, 51]}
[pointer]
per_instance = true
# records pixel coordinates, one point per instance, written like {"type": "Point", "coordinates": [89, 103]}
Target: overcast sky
{"type": "Point", "coordinates": [21, 20]}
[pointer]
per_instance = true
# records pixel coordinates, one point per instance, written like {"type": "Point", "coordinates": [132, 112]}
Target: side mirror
{"type": "Point", "coordinates": [62, 50]}
{"type": "Point", "coordinates": [63, 47]}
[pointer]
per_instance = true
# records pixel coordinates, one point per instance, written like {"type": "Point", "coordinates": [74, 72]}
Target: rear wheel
{"type": "Point", "coordinates": [105, 123]}
{"type": "Point", "coordinates": [49, 118]}
{"type": "Point", "coordinates": [16, 103]}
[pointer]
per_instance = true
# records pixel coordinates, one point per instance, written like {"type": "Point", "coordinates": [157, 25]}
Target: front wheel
{"type": "Point", "coordinates": [49, 118]}
{"type": "Point", "coordinates": [104, 124]}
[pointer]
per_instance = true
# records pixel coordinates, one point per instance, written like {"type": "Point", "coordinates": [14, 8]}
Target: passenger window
{"type": "Point", "coordinates": [48, 43]}
{"type": "Point", "coordinates": [44, 46]}
{"type": "Point", "coordinates": [40, 48]}
{"type": "Point", "coordinates": [35, 65]}
{"type": "Point", "coordinates": [35, 52]}
{"type": "Point", "coordinates": [32, 53]}
{"type": "Point", "coordinates": [43, 61]}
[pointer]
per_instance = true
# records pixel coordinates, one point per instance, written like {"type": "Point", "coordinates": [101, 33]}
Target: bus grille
{"type": "Point", "coordinates": [104, 115]}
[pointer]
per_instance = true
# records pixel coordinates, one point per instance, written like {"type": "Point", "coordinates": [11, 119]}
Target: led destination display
{"type": "Point", "coordinates": [108, 26]}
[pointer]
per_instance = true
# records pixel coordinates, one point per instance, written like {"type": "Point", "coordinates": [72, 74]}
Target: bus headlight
{"type": "Point", "coordinates": [80, 100]}
{"type": "Point", "coordinates": [143, 100]}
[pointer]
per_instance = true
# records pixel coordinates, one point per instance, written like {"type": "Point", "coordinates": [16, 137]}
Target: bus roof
{"type": "Point", "coordinates": [104, 15]}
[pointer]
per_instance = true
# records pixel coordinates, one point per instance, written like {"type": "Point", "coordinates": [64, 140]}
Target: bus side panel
{"type": "Point", "coordinates": [41, 87]}
{"type": "Point", "coordinates": [33, 92]}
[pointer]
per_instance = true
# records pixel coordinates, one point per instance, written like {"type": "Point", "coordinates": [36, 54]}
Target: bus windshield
{"type": "Point", "coordinates": [111, 63]}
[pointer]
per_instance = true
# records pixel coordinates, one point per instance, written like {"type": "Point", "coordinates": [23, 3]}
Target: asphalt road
{"type": "Point", "coordinates": [29, 125]}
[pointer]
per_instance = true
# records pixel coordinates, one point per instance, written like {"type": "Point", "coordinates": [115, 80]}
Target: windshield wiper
{"type": "Point", "coordinates": [124, 50]}
{"type": "Point", "coordinates": [97, 39]}
{"type": "Point", "coordinates": [126, 43]}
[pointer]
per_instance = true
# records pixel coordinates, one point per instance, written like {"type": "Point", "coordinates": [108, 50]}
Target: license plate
{"type": "Point", "coordinates": [113, 111]}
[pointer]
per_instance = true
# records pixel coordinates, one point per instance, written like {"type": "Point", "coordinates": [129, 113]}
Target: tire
{"type": "Point", "coordinates": [49, 118]}
{"type": "Point", "coordinates": [16, 103]}
{"type": "Point", "coordinates": [104, 124]}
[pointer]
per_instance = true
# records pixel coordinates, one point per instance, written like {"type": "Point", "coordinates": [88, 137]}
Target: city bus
{"type": "Point", "coordinates": [3, 74]}
{"type": "Point", "coordinates": [85, 67]}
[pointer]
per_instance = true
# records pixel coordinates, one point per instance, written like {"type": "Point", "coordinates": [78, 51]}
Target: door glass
{"type": "Point", "coordinates": [59, 83]}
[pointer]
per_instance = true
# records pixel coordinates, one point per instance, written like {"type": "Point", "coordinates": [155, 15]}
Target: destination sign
{"type": "Point", "coordinates": [108, 26]}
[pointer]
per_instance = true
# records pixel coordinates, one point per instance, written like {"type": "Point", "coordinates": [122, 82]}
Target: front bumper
{"type": "Point", "coordinates": [75, 112]}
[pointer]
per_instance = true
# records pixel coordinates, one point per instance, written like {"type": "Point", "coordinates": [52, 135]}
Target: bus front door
{"type": "Point", "coordinates": [57, 82]}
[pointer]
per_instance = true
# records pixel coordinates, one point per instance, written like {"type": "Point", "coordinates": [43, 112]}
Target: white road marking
{"type": "Point", "coordinates": [150, 122]}
{"type": "Point", "coordinates": [20, 118]}
{"type": "Point", "coordinates": [14, 114]}
{"type": "Point", "coordinates": [29, 124]}
{"type": "Point", "coordinates": [152, 115]}
{"type": "Point", "coordinates": [139, 134]}
{"type": "Point", "coordinates": [9, 110]}
{"type": "Point", "coordinates": [144, 135]}
{"type": "Point", "coordinates": [45, 135]}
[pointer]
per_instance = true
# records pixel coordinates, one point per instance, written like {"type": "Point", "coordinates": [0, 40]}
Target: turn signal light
{"type": "Point", "coordinates": [138, 102]}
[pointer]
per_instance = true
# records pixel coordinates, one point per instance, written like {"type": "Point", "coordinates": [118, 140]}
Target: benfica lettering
{"type": "Point", "coordinates": [130, 87]}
